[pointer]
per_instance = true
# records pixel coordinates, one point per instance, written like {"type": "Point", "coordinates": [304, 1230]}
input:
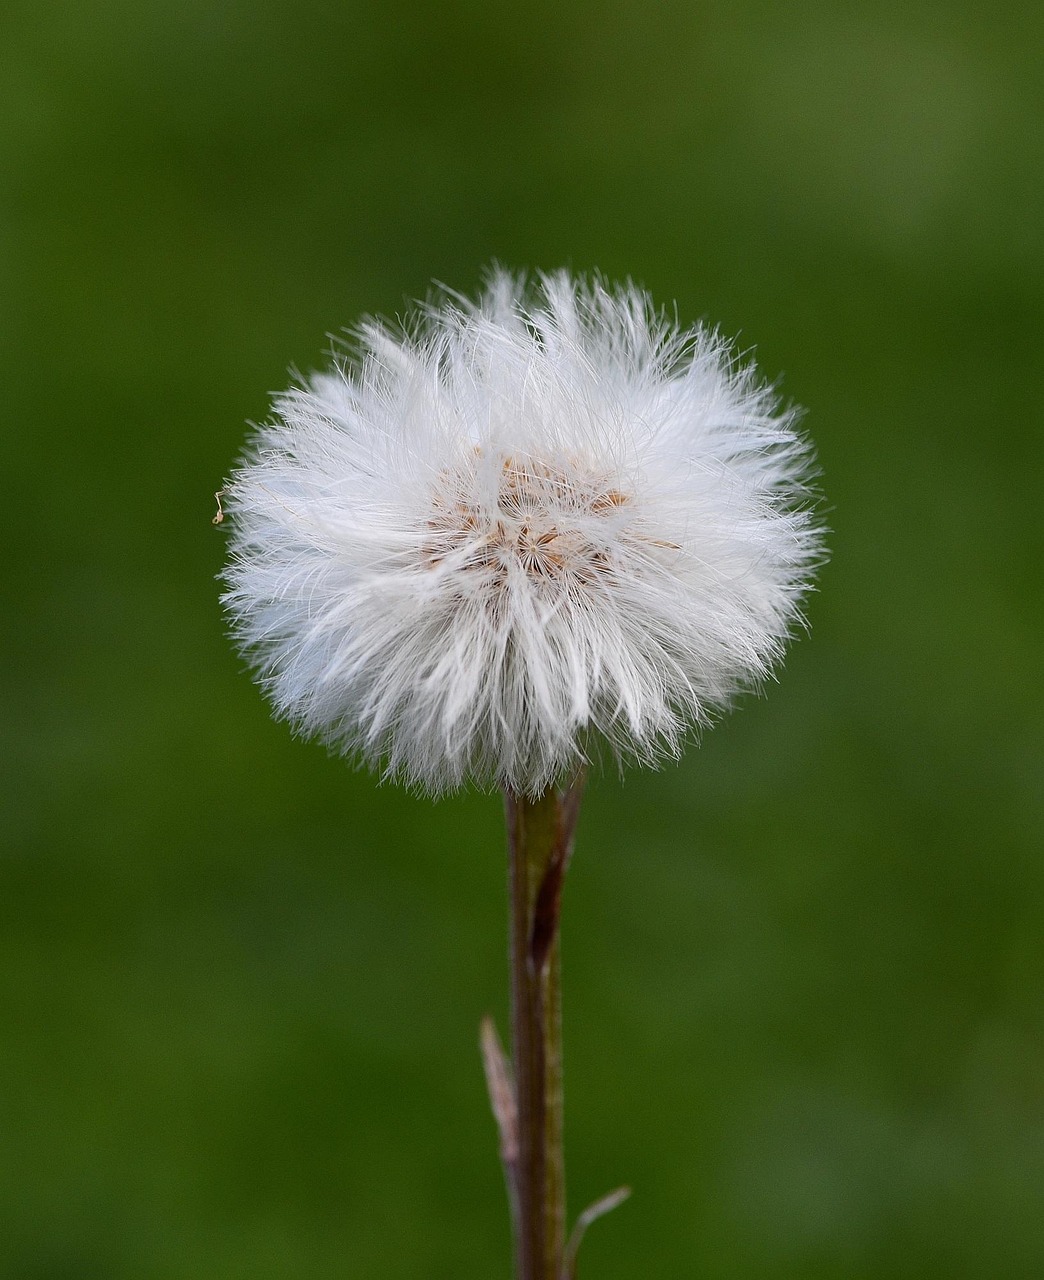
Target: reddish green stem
{"type": "Point", "coordinates": [540, 837]}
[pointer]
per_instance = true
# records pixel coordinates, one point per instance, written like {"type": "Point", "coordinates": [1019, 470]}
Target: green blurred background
{"type": "Point", "coordinates": [241, 983]}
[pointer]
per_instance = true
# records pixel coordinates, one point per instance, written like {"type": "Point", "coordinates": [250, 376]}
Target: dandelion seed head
{"type": "Point", "coordinates": [512, 529]}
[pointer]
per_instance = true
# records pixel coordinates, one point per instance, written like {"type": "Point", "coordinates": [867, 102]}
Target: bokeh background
{"type": "Point", "coordinates": [240, 982]}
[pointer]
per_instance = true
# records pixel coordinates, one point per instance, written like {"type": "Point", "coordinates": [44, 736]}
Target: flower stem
{"type": "Point", "coordinates": [540, 839]}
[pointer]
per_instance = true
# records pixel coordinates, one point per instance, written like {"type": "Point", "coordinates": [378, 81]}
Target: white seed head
{"type": "Point", "coordinates": [483, 543]}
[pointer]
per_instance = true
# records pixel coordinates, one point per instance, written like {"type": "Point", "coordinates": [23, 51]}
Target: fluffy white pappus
{"type": "Point", "coordinates": [514, 528]}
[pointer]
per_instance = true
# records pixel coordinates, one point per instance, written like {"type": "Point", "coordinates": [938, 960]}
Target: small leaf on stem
{"type": "Point", "coordinates": [589, 1215]}
{"type": "Point", "coordinates": [501, 1093]}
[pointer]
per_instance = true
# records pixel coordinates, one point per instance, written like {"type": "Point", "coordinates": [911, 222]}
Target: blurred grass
{"type": "Point", "coordinates": [240, 983]}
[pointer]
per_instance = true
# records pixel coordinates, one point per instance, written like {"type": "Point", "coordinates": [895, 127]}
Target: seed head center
{"type": "Point", "coordinates": [529, 516]}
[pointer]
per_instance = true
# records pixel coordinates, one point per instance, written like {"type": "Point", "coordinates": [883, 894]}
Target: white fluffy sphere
{"type": "Point", "coordinates": [483, 543]}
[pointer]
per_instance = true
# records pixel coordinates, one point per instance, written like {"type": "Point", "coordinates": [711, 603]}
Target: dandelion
{"type": "Point", "coordinates": [516, 530]}
{"type": "Point", "coordinates": [496, 540]}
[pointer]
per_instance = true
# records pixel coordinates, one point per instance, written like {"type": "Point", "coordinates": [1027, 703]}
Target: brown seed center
{"type": "Point", "coordinates": [537, 520]}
